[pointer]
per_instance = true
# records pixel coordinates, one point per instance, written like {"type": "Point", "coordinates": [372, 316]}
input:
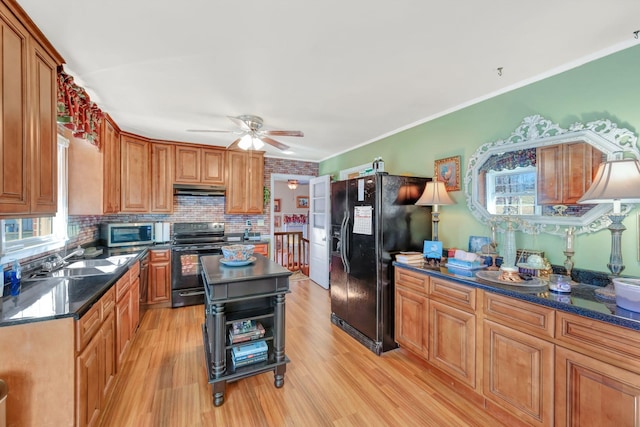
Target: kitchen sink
{"type": "Point", "coordinates": [85, 268]}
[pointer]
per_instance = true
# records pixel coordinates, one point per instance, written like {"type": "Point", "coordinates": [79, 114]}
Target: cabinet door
{"type": "Point", "coordinates": [581, 162]}
{"type": "Point", "coordinates": [549, 164]}
{"type": "Point", "coordinates": [14, 149]}
{"type": "Point", "coordinates": [262, 249]}
{"type": "Point", "coordinates": [518, 373]}
{"type": "Point", "coordinates": [44, 154]}
{"type": "Point", "coordinates": [452, 342]}
{"type": "Point", "coordinates": [111, 166]}
{"type": "Point", "coordinates": [236, 182]}
{"type": "Point", "coordinates": [89, 384]}
{"type": "Point", "coordinates": [161, 178]}
{"type": "Point", "coordinates": [255, 181]}
{"type": "Point", "coordinates": [134, 300]}
{"type": "Point", "coordinates": [590, 392]}
{"type": "Point", "coordinates": [159, 282]}
{"type": "Point", "coordinates": [412, 321]}
{"type": "Point", "coordinates": [187, 164]}
{"type": "Point", "coordinates": [109, 369]}
{"type": "Point", "coordinates": [123, 327]}
{"type": "Point", "coordinates": [213, 166]}
{"type": "Point", "coordinates": [135, 174]}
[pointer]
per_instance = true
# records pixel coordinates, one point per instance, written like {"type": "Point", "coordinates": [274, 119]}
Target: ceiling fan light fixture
{"type": "Point", "coordinates": [245, 142]}
{"type": "Point", "coordinates": [257, 143]}
{"type": "Point", "coordinates": [292, 184]}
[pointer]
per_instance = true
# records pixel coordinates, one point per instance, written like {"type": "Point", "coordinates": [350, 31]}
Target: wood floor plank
{"type": "Point", "coordinates": [332, 379]}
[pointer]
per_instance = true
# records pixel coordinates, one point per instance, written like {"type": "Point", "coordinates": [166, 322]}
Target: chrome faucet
{"type": "Point", "coordinates": [79, 252]}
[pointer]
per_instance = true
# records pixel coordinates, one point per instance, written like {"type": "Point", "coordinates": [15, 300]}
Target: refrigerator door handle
{"type": "Point", "coordinates": [345, 243]}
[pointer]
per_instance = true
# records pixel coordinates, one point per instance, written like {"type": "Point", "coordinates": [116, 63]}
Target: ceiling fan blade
{"type": "Point", "coordinates": [210, 130]}
{"type": "Point", "coordinates": [275, 143]}
{"type": "Point", "coordinates": [239, 122]}
{"type": "Point", "coordinates": [283, 132]}
{"type": "Point", "coordinates": [234, 144]}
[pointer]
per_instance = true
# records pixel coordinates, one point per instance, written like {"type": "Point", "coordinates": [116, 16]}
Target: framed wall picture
{"type": "Point", "coordinates": [448, 170]}
{"type": "Point", "coordinates": [302, 202]}
{"type": "Point", "coordinates": [276, 205]}
{"type": "Point", "coordinates": [277, 221]}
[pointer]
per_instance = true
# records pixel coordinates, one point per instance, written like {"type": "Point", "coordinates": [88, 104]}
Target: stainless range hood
{"type": "Point", "coordinates": [198, 190]}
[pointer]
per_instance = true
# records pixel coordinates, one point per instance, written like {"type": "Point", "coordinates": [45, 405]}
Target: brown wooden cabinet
{"type": "Point", "coordinates": [565, 171]}
{"type": "Point", "coordinates": [28, 144]}
{"type": "Point", "coordinates": [161, 177]}
{"type": "Point", "coordinates": [127, 310]}
{"type": "Point", "coordinates": [95, 362]}
{"type": "Point", "coordinates": [261, 248]}
{"type": "Point", "coordinates": [110, 134]}
{"type": "Point", "coordinates": [412, 312]}
{"type": "Point", "coordinates": [135, 173]}
{"type": "Point", "coordinates": [199, 165]}
{"type": "Point", "coordinates": [245, 182]}
{"type": "Point", "coordinates": [159, 290]}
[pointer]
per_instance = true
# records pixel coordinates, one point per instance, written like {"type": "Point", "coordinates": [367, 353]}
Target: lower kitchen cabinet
{"type": "Point", "coordinates": [412, 321]}
{"type": "Point", "coordinates": [590, 392]}
{"type": "Point", "coordinates": [518, 372]}
{"type": "Point", "coordinates": [95, 363]}
{"type": "Point", "coordinates": [159, 287]}
{"type": "Point", "coordinates": [127, 310]}
{"type": "Point", "coordinates": [452, 342]}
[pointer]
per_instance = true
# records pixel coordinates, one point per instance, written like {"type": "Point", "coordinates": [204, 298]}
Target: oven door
{"type": "Point", "coordinates": [187, 287]}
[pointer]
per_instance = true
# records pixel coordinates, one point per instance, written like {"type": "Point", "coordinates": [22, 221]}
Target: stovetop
{"type": "Point", "coordinates": [200, 233]}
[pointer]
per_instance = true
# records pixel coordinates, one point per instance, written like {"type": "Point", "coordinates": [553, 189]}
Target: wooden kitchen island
{"type": "Point", "coordinates": [237, 293]}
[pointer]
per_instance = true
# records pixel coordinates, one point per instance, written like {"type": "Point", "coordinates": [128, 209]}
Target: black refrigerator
{"type": "Point", "coordinates": [373, 218]}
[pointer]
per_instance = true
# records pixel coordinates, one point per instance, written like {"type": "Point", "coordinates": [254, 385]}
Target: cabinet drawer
{"type": "Point", "coordinates": [520, 315]}
{"type": "Point", "coordinates": [87, 326]}
{"type": "Point", "coordinates": [122, 286]}
{"type": "Point", "coordinates": [413, 280]}
{"type": "Point", "coordinates": [610, 343]}
{"type": "Point", "coordinates": [134, 271]}
{"type": "Point", "coordinates": [159, 256]}
{"type": "Point", "coordinates": [454, 293]}
{"type": "Point", "coordinates": [107, 303]}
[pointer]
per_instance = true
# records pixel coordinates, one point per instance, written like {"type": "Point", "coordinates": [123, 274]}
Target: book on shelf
{"type": "Point", "coordinates": [243, 326]}
{"type": "Point", "coordinates": [246, 362]}
{"type": "Point", "coordinates": [240, 351]}
{"type": "Point", "coordinates": [257, 332]}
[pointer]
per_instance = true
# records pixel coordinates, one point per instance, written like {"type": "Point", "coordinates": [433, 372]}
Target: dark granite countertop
{"type": "Point", "coordinates": [582, 299]}
{"type": "Point", "coordinates": [55, 298]}
{"type": "Point", "coordinates": [217, 273]}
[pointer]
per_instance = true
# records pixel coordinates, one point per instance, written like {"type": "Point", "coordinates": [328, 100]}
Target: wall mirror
{"type": "Point", "coordinates": [541, 170]}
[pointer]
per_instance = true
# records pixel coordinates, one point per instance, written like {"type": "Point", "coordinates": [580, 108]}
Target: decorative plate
{"type": "Point", "coordinates": [492, 276]}
{"type": "Point", "coordinates": [232, 263]}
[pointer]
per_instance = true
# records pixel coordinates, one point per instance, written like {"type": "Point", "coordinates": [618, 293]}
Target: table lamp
{"type": "Point", "coordinates": [435, 194]}
{"type": "Point", "coordinates": [616, 181]}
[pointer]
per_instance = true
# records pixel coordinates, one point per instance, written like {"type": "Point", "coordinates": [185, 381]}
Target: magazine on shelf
{"type": "Point", "coordinates": [257, 332]}
{"type": "Point", "coordinates": [243, 326]}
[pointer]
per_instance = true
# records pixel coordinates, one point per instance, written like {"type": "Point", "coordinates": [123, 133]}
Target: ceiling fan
{"type": "Point", "coordinates": [252, 134]}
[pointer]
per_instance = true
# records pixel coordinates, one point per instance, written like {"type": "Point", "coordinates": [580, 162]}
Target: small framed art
{"type": "Point", "coordinates": [276, 205]}
{"type": "Point", "coordinates": [448, 170]}
{"type": "Point", "coordinates": [277, 221]}
{"type": "Point", "coordinates": [302, 202]}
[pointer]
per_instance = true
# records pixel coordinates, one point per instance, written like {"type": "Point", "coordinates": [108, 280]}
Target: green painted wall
{"type": "Point", "coordinates": [607, 88]}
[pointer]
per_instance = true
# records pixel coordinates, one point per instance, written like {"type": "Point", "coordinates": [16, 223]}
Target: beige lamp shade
{"type": "Point", "coordinates": [617, 181]}
{"type": "Point", "coordinates": [435, 193]}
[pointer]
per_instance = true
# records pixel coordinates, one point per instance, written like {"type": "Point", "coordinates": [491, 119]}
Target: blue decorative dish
{"type": "Point", "coordinates": [232, 263]}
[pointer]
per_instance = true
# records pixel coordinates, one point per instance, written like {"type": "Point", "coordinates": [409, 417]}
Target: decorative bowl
{"type": "Point", "coordinates": [237, 252]}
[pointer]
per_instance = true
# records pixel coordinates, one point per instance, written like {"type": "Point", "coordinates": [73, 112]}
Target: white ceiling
{"type": "Point", "coordinates": [346, 73]}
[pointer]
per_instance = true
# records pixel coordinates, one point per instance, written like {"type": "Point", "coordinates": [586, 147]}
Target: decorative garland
{"type": "Point", "coordinates": [77, 112]}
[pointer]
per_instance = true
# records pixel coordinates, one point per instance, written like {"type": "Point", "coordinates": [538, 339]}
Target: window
{"type": "Point", "coordinates": [23, 237]}
{"type": "Point", "coordinates": [512, 191]}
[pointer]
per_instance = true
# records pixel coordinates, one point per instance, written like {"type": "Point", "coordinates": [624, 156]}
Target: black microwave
{"type": "Point", "coordinates": [126, 234]}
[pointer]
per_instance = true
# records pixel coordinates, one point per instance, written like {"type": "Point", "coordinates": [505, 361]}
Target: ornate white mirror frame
{"type": "Point", "coordinates": [536, 131]}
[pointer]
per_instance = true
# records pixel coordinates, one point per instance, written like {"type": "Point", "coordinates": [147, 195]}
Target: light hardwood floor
{"type": "Point", "coordinates": [332, 380]}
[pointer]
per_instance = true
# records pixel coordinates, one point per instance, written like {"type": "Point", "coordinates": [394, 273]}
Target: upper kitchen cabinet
{"type": "Point", "coordinates": [162, 177]}
{"type": "Point", "coordinates": [135, 173]}
{"type": "Point", "coordinates": [28, 154]}
{"type": "Point", "coordinates": [110, 134]}
{"type": "Point", "coordinates": [199, 165]}
{"type": "Point", "coordinates": [94, 176]}
{"type": "Point", "coordinates": [245, 182]}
